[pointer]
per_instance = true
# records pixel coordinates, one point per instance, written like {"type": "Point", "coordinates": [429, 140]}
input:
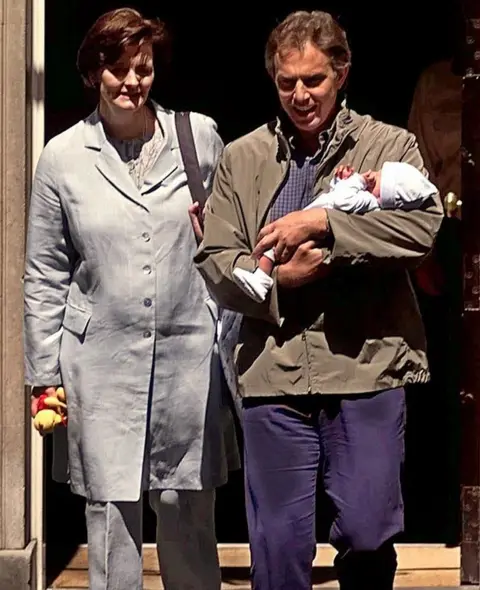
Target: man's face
{"type": "Point", "coordinates": [307, 87]}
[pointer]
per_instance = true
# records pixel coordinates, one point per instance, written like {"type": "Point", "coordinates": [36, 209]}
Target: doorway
{"type": "Point", "coordinates": [218, 70]}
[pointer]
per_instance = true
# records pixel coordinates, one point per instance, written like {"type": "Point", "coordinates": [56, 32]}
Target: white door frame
{"type": "Point", "coordinates": [35, 142]}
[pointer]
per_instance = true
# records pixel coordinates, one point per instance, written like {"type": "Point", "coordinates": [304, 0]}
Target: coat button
{"type": "Point", "coordinates": [147, 269]}
{"type": "Point", "coordinates": [147, 302]}
{"type": "Point", "coordinates": [147, 334]}
{"type": "Point", "coordinates": [146, 236]}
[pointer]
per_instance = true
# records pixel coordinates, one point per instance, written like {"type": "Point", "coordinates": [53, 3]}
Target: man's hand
{"type": "Point", "coordinates": [305, 266]}
{"type": "Point", "coordinates": [36, 393]}
{"type": "Point", "coordinates": [286, 234]}
{"type": "Point", "coordinates": [196, 219]}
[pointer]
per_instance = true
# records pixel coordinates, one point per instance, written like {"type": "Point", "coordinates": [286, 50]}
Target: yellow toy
{"type": "Point", "coordinates": [52, 410]}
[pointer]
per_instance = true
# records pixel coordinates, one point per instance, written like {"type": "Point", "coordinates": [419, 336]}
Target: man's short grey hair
{"type": "Point", "coordinates": [298, 28]}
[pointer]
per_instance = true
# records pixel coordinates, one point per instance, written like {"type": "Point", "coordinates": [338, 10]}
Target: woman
{"type": "Point", "coordinates": [116, 312]}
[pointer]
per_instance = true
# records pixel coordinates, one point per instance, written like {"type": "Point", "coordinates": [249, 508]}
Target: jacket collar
{"type": "Point", "coordinates": [346, 122]}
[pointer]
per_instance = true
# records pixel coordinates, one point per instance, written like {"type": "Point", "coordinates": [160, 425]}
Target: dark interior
{"type": "Point", "coordinates": [217, 69]}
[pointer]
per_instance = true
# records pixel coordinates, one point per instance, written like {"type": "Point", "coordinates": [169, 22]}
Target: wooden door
{"type": "Point", "coordinates": [470, 395]}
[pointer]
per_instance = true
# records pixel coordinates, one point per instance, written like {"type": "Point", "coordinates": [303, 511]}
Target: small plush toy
{"type": "Point", "coordinates": [52, 410]}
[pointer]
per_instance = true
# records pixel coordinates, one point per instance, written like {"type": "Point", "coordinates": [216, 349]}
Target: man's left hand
{"type": "Point", "coordinates": [286, 234]}
{"type": "Point", "coordinates": [196, 219]}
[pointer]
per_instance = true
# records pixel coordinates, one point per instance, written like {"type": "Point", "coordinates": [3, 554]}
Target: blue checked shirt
{"type": "Point", "coordinates": [297, 190]}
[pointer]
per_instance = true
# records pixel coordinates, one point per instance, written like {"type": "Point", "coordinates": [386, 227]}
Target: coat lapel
{"type": "Point", "coordinates": [108, 162]}
{"type": "Point", "coordinates": [115, 171]}
{"type": "Point", "coordinates": [167, 161]}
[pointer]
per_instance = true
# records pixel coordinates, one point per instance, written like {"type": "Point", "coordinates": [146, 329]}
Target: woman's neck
{"type": "Point", "coordinates": [127, 125]}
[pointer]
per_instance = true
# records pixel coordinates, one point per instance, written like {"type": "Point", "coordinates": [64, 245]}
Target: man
{"type": "Point", "coordinates": [322, 362]}
{"type": "Point", "coordinates": [435, 118]}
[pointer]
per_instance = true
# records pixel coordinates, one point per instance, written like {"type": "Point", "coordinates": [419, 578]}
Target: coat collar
{"type": "Point", "coordinates": [110, 165]}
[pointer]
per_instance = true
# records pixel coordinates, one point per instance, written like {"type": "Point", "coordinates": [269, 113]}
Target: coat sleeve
{"type": "Point", "coordinates": [387, 238]}
{"type": "Point", "coordinates": [50, 259]}
{"type": "Point", "coordinates": [225, 246]}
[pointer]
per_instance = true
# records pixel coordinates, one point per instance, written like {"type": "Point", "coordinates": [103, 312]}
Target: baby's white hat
{"type": "Point", "coordinates": [402, 183]}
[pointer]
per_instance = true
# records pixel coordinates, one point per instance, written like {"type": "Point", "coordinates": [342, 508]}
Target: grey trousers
{"type": "Point", "coordinates": [186, 542]}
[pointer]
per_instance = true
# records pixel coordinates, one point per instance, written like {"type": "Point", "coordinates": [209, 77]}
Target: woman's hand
{"type": "Point", "coordinates": [36, 393]}
{"type": "Point", "coordinates": [48, 408]}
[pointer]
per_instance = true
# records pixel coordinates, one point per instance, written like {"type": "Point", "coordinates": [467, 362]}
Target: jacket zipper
{"type": "Point", "coordinates": [322, 164]}
{"type": "Point", "coordinates": [304, 338]}
{"type": "Point", "coordinates": [328, 156]}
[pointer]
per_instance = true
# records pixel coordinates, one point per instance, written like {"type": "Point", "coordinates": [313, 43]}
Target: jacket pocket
{"type": "Point", "coordinates": [76, 319]}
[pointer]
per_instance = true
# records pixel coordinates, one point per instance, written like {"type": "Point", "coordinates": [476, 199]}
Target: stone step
{"type": "Point", "coordinates": [78, 580]}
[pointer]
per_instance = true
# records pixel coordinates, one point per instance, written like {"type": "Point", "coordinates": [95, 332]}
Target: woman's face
{"type": "Point", "coordinates": [125, 85]}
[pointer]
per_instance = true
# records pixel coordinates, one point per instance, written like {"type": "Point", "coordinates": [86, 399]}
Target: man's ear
{"type": "Point", "coordinates": [342, 75]}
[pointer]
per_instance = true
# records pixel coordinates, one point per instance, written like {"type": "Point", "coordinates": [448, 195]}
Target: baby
{"type": "Point", "coordinates": [396, 186]}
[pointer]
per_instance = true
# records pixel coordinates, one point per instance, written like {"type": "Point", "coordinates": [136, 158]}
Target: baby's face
{"type": "Point", "coordinates": [373, 179]}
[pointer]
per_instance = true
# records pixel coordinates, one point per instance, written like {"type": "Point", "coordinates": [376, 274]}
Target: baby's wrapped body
{"type": "Point", "coordinates": [397, 185]}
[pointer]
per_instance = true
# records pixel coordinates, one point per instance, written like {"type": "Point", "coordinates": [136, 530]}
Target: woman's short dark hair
{"type": "Point", "coordinates": [111, 33]}
{"type": "Point", "coordinates": [298, 28]}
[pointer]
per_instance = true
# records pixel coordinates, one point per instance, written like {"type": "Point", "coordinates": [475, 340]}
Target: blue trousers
{"type": "Point", "coordinates": [356, 443]}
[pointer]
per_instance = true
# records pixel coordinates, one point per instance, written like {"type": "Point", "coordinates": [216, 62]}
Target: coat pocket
{"type": "Point", "coordinates": [76, 319]}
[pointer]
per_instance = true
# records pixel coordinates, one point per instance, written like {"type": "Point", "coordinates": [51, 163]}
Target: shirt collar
{"type": "Point", "coordinates": [287, 131]}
